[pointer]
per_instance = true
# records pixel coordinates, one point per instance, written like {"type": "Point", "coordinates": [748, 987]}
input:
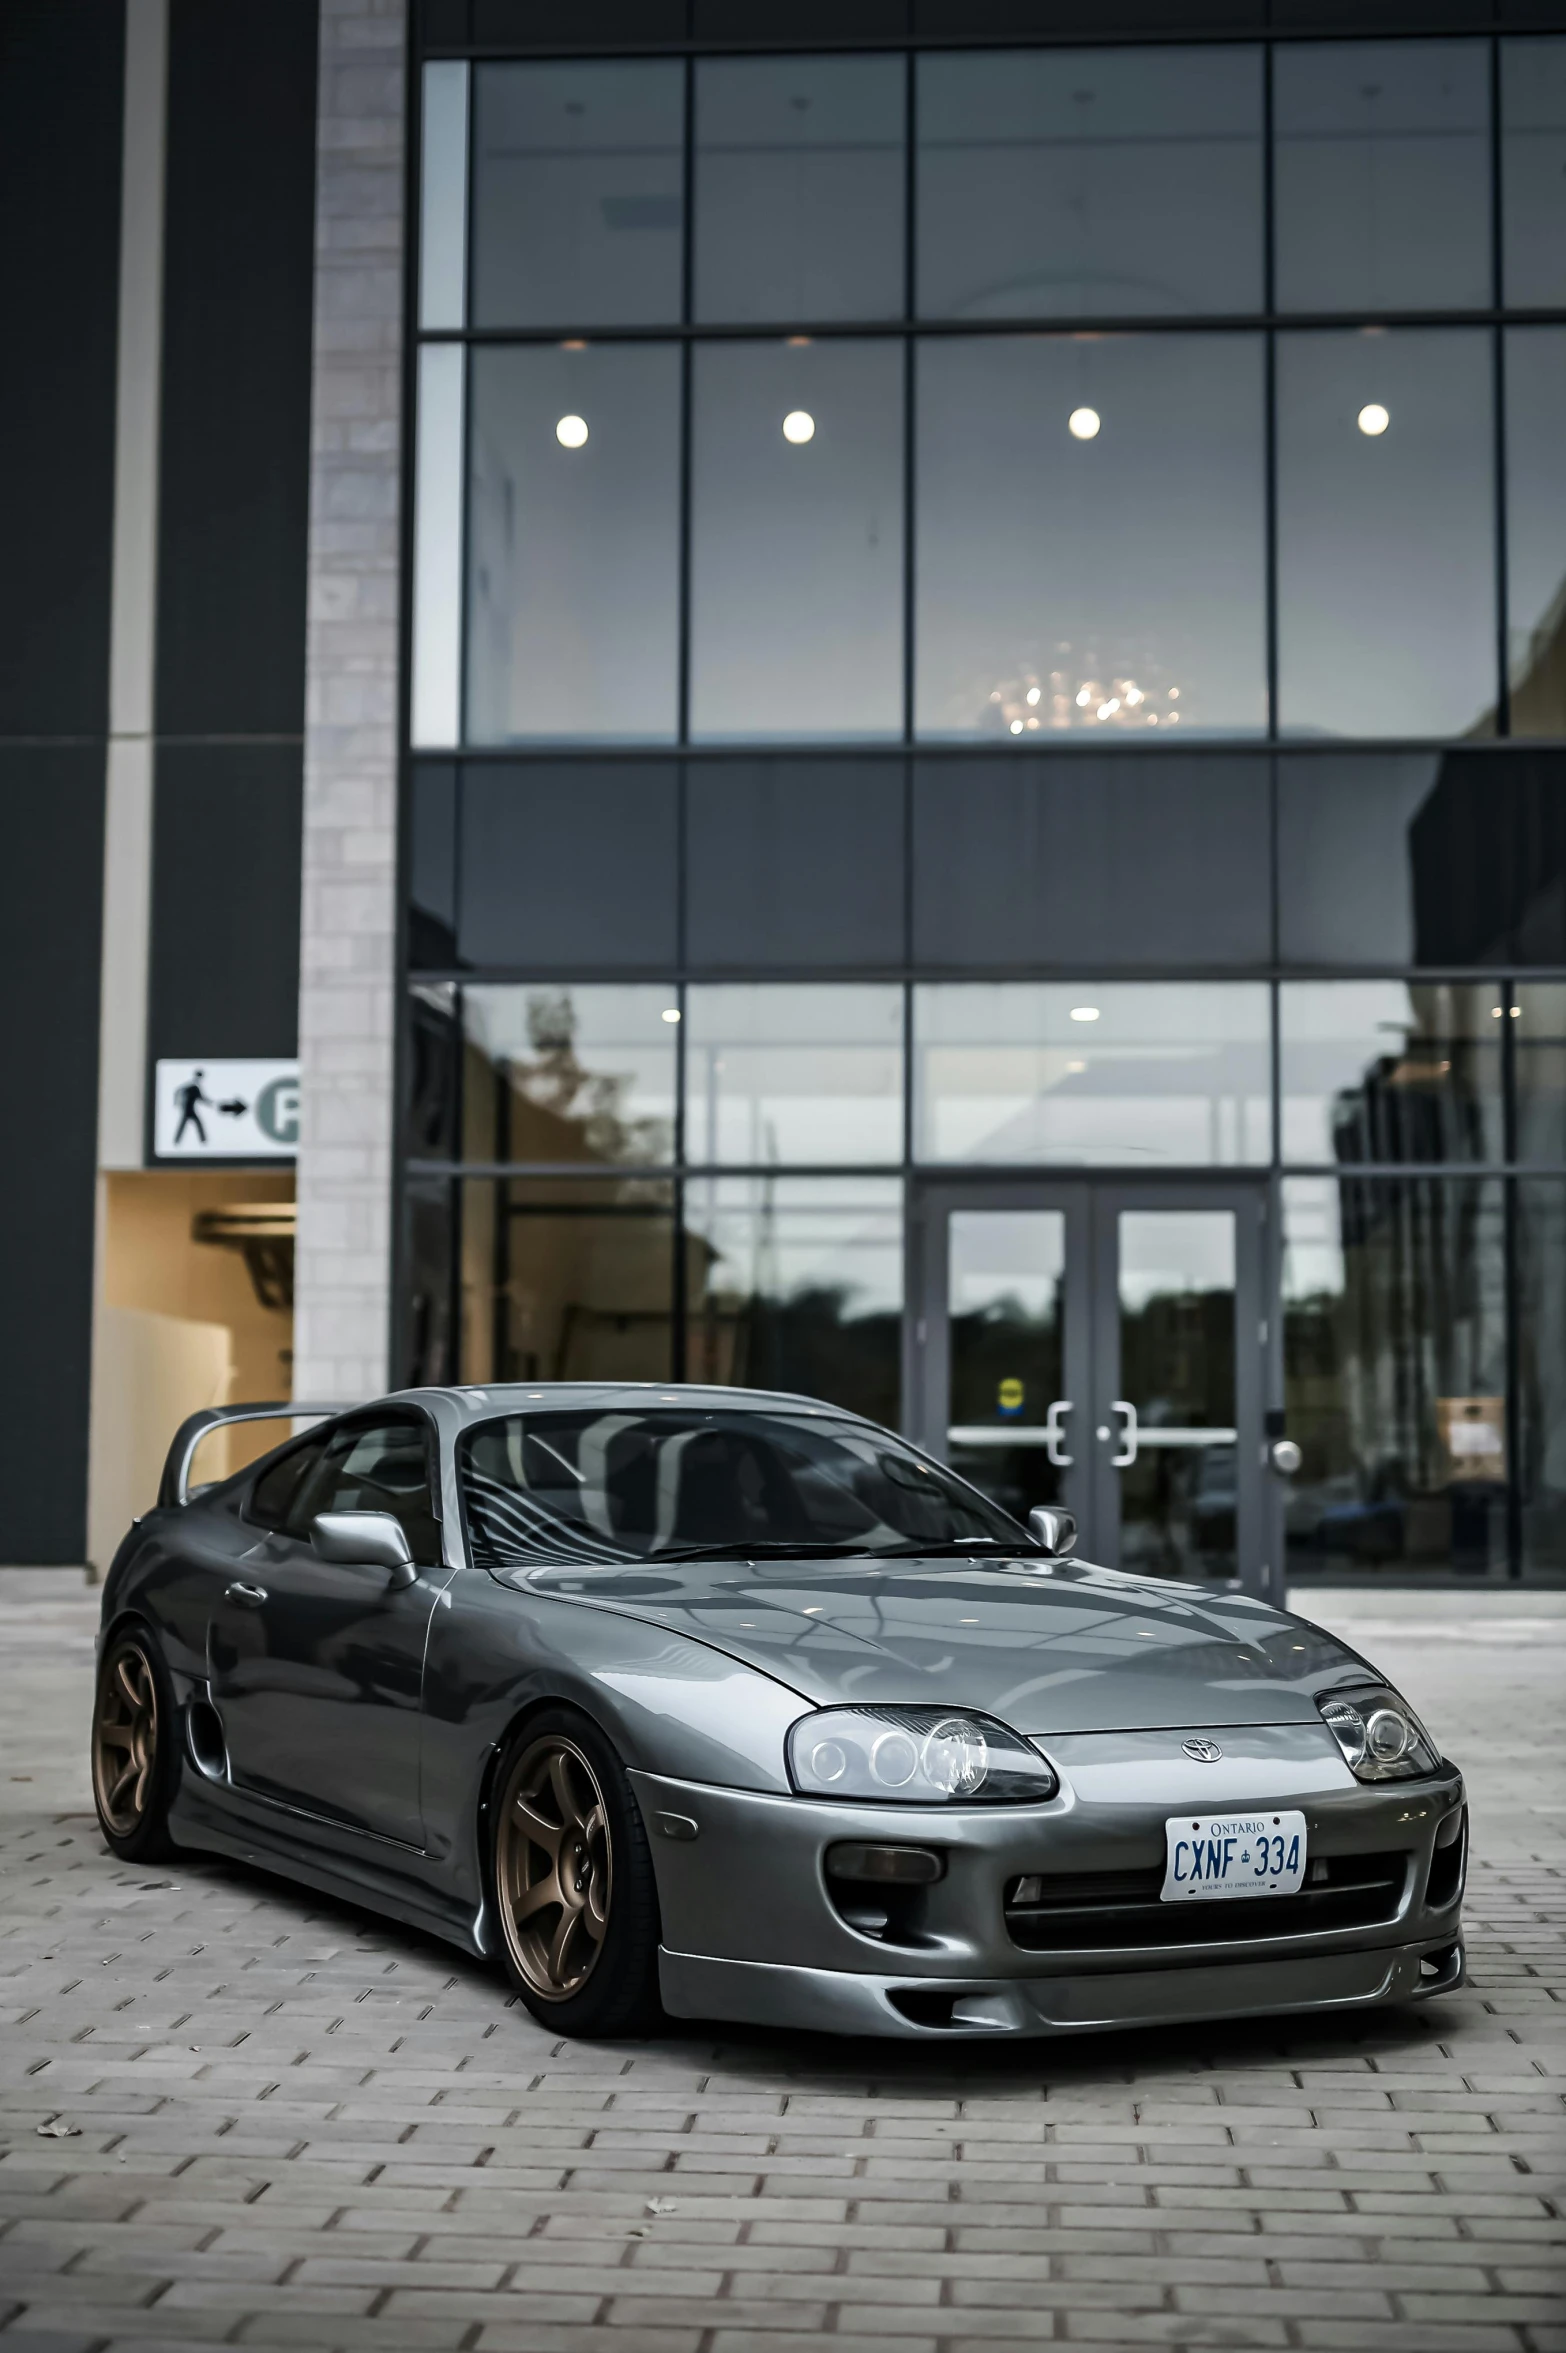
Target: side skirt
{"type": "Point", "coordinates": [275, 1840]}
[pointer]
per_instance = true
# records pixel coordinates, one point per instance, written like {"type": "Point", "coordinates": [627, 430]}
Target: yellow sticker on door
{"type": "Point", "coordinates": [1009, 1396]}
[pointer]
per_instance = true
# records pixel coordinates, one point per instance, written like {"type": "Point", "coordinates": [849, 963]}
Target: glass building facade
{"type": "Point", "coordinates": [985, 781]}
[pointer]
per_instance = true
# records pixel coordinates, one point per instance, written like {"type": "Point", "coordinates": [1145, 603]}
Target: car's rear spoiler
{"type": "Point", "coordinates": [175, 1485]}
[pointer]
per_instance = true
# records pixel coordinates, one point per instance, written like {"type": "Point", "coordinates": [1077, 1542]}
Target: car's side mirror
{"type": "Point", "coordinates": [364, 1540]}
{"type": "Point", "coordinates": [1056, 1531]}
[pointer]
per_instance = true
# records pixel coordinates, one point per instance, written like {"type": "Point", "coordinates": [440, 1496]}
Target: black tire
{"type": "Point", "coordinates": [571, 1879]}
{"type": "Point", "coordinates": [135, 1747]}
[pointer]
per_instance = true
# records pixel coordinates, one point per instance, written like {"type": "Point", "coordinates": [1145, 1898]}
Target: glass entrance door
{"type": "Point", "coordinates": [1102, 1347]}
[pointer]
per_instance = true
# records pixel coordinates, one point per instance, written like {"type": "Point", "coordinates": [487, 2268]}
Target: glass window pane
{"type": "Point", "coordinates": [434, 1055]}
{"type": "Point", "coordinates": [437, 548]}
{"type": "Point", "coordinates": [1394, 1296]}
{"type": "Point", "coordinates": [797, 541]}
{"type": "Point", "coordinates": [427, 1356]}
{"type": "Point", "coordinates": [569, 1072]}
{"type": "Point", "coordinates": [1533, 172]}
{"type": "Point", "coordinates": [1538, 1034]}
{"type": "Point", "coordinates": [574, 544]}
{"type": "Point", "coordinates": [1386, 533]}
{"type": "Point", "coordinates": [1099, 1073]}
{"type": "Point", "coordinates": [1536, 525]}
{"type": "Point", "coordinates": [1090, 535]}
{"type": "Point", "coordinates": [1177, 1303]}
{"type": "Point", "coordinates": [796, 1283]}
{"type": "Point", "coordinates": [774, 1075]}
{"type": "Point", "coordinates": [577, 208]}
{"type": "Point", "coordinates": [566, 1280]}
{"type": "Point", "coordinates": [1381, 175]}
{"type": "Point", "coordinates": [1541, 1366]}
{"type": "Point", "coordinates": [443, 206]}
{"type": "Point", "coordinates": [799, 188]}
{"type": "Point", "coordinates": [1006, 1311]}
{"type": "Point", "coordinates": [1097, 182]}
{"type": "Point", "coordinates": [1381, 1070]}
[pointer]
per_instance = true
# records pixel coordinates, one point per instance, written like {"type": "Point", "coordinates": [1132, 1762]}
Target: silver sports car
{"type": "Point", "coordinates": [719, 1704]}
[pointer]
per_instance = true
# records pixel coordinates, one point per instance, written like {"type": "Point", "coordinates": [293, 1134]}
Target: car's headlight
{"type": "Point", "coordinates": [1381, 1737]}
{"type": "Point", "coordinates": [915, 1757]}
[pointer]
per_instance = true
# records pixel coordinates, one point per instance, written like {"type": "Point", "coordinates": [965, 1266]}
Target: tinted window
{"type": "Point", "coordinates": [595, 1488]}
{"type": "Point", "coordinates": [797, 1283]}
{"type": "Point", "coordinates": [1090, 536]}
{"type": "Point", "coordinates": [1098, 181]}
{"type": "Point", "coordinates": [1537, 1029]}
{"type": "Point", "coordinates": [564, 1279]}
{"type": "Point", "coordinates": [1533, 171]}
{"type": "Point", "coordinates": [1381, 183]}
{"type": "Point", "coordinates": [573, 543]}
{"type": "Point", "coordinates": [1386, 533]}
{"type": "Point", "coordinates": [572, 1072]}
{"type": "Point", "coordinates": [1541, 1352]}
{"type": "Point", "coordinates": [1536, 526]}
{"type": "Point", "coordinates": [274, 1489]}
{"type": "Point", "coordinates": [577, 211]}
{"type": "Point", "coordinates": [797, 540]}
{"type": "Point", "coordinates": [376, 1466]}
{"type": "Point", "coordinates": [799, 188]}
{"type": "Point", "coordinates": [1093, 1072]}
{"type": "Point", "coordinates": [779, 1074]}
{"type": "Point", "coordinates": [1382, 1070]}
{"type": "Point", "coordinates": [1395, 1374]}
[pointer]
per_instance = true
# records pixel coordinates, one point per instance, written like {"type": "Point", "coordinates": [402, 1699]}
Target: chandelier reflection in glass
{"type": "Point", "coordinates": [1081, 691]}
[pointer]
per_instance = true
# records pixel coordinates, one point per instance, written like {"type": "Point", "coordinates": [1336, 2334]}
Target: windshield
{"type": "Point", "coordinates": [624, 1483]}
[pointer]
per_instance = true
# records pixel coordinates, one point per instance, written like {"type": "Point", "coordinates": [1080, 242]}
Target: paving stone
{"type": "Point", "coordinates": [373, 2147]}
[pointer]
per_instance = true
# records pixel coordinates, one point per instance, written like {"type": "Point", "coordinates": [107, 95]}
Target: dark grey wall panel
{"type": "Point", "coordinates": [794, 862]}
{"type": "Point", "coordinates": [569, 864]}
{"type": "Point", "coordinates": [234, 479]}
{"type": "Point", "coordinates": [51, 891]}
{"type": "Point", "coordinates": [1345, 889]}
{"type": "Point", "coordinates": [224, 975]}
{"type": "Point", "coordinates": [62, 73]}
{"type": "Point", "coordinates": [1092, 860]}
{"type": "Point", "coordinates": [431, 877]}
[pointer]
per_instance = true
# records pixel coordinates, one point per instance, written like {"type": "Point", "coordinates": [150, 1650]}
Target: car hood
{"type": "Point", "coordinates": [1055, 1646]}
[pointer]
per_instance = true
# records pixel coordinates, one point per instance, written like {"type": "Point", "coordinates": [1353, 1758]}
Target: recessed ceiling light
{"type": "Point", "coordinates": [1083, 424]}
{"type": "Point", "coordinates": [799, 426]}
{"type": "Point", "coordinates": [1084, 1013]}
{"type": "Point", "coordinates": [1373, 418]}
{"type": "Point", "coordinates": [571, 432]}
{"type": "Point", "coordinates": [671, 1013]}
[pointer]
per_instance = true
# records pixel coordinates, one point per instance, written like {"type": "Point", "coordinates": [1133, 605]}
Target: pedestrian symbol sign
{"type": "Point", "coordinates": [213, 1110]}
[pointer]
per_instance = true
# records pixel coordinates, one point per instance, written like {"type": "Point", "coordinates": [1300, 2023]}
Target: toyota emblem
{"type": "Point", "coordinates": [1204, 1752]}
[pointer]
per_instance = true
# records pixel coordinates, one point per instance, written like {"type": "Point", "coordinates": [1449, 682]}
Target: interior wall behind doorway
{"type": "Point", "coordinates": [180, 1326]}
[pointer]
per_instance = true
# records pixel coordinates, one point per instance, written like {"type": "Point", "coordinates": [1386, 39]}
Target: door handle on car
{"type": "Point", "coordinates": [1127, 1452]}
{"type": "Point", "coordinates": [249, 1597]}
{"type": "Point", "coordinates": [1054, 1432]}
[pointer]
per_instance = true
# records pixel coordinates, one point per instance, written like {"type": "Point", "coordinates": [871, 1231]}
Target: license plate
{"type": "Point", "coordinates": [1214, 1855]}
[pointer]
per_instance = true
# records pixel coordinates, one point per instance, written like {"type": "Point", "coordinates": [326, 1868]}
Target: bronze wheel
{"type": "Point", "coordinates": [554, 1867]}
{"type": "Point", "coordinates": [127, 1726]}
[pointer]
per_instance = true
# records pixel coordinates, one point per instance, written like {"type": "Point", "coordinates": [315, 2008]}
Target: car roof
{"type": "Point", "coordinates": [481, 1401]}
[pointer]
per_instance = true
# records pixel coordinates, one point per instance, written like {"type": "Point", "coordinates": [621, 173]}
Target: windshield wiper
{"type": "Point", "coordinates": [954, 1547]}
{"type": "Point", "coordinates": [764, 1548]}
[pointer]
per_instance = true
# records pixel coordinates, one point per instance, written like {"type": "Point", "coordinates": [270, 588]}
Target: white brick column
{"type": "Point", "coordinates": [348, 930]}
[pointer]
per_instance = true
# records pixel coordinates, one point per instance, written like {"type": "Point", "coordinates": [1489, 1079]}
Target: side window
{"type": "Point", "coordinates": [374, 1466]}
{"type": "Point", "coordinates": [274, 1491]}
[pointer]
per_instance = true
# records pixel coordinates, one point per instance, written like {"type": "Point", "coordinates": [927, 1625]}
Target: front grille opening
{"type": "Point", "coordinates": [1449, 1862]}
{"type": "Point", "coordinates": [1100, 1911]}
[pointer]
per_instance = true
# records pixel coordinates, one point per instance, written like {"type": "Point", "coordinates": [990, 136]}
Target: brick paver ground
{"type": "Point", "coordinates": [296, 2125]}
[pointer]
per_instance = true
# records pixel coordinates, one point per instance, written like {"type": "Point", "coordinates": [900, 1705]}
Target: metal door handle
{"type": "Point", "coordinates": [249, 1597]}
{"type": "Point", "coordinates": [1054, 1432]}
{"type": "Point", "coordinates": [1127, 1453]}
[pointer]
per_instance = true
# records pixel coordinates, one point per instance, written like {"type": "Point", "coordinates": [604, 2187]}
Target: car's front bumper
{"type": "Point", "coordinates": [753, 1930]}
